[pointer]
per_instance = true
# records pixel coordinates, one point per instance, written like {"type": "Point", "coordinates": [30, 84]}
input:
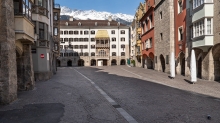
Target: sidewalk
{"type": "Point", "coordinates": [204, 87]}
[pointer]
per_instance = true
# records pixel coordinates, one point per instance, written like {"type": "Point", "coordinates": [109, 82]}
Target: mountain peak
{"type": "Point", "coordinates": [95, 15]}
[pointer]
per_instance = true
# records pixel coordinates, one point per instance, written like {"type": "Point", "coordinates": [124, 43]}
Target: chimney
{"type": "Point", "coordinates": [71, 18]}
{"type": "Point", "coordinates": [110, 18]}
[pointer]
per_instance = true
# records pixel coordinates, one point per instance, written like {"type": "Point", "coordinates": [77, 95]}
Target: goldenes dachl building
{"type": "Point", "coordinates": [93, 43]}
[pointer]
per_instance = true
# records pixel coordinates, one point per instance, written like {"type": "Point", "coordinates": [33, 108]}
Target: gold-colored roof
{"type": "Point", "coordinates": [102, 34]}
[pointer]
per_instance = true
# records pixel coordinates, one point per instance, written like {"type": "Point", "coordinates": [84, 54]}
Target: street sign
{"type": "Point", "coordinates": [42, 55]}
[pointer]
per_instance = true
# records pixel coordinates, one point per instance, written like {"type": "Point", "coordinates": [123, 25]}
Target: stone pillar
{"type": "Point", "coordinates": [8, 73]}
{"type": "Point", "coordinates": [25, 70]}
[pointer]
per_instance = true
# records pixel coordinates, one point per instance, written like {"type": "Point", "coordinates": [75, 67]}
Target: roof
{"type": "Point", "coordinates": [90, 23]}
{"type": "Point", "coordinates": [102, 34]}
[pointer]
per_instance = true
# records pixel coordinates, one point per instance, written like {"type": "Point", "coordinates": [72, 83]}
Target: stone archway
{"type": "Point", "coordinates": [149, 63]}
{"type": "Point", "coordinates": [113, 62]}
{"type": "Point", "coordinates": [69, 63]}
{"type": "Point", "coordinates": [162, 61]}
{"type": "Point", "coordinates": [123, 62]}
{"type": "Point", "coordinates": [80, 62]}
{"type": "Point", "coordinates": [93, 62]}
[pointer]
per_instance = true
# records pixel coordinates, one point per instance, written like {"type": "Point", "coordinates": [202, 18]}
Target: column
{"type": "Point", "coordinates": [8, 69]}
{"type": "Point", "coordinates": [25, 70]}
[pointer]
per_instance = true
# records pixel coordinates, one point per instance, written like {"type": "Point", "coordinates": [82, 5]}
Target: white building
{"type": "Point", "coordinates": [93, 43]}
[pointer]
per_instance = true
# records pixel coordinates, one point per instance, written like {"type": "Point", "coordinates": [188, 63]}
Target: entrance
{"type": "Point", "coordinates": [183, 66]}
{"type": "Point", "coordinates": [199, 75]}
{"type": "Point", "coordinates": [114, 62]}
{"type": "Point", "coordinates": [80, 62]}
{"type": "Point", "coordinates": [123, 62]}
{"type": "Point", "coordinates": [162, 60]}
{"type": "Point", "coordinates": [58, 63]}
{"type": "Point", "coordinates": [69, 63]}
{"type": "Point", "coordinates": [93, 62]}
{"type": "Point", "coordinates": [105, 62]}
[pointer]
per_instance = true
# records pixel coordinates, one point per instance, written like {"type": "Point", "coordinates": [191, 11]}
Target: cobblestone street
{"type": "Point", "coordinates": [115, 94]}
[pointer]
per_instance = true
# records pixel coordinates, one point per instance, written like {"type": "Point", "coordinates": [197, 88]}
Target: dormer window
{"type": "Point", "coordinates": [118, 24]}
{"type": "Point", "coordinates": [79, 24]}
{"type": "Point", "coordinates": [66, 23]}
{"type": "Point", "coordinates": [108, 23]}
{"type": "Point", "coordinates": [96, 23]}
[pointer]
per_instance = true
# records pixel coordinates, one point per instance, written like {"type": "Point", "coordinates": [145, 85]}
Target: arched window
{"type": "Point", "coordinates": [113, 53]}
{"type": "Point", "coordinates": [92, 54]}
{"type": "Point", "coordinates": [122, 53]}
{"type": "Point", "coordinates": [113, 46]}
{"type": "Point", "coordinates": [86, 32]}
{"type": "Point", "coordinates": [86, 39]}
{"type": "Point", "coordinates": [86, 54]}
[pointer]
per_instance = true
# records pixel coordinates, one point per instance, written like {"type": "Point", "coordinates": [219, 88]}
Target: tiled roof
{"type": "Point", "coordinates": [90, 23]}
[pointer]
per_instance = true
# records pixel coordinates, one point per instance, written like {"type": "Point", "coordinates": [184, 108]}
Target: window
{"type": "Point", "coordinates": [197, 3]}
{"type": "Point", "coordinates": [76, 32]}
{"type": "Point", "coordinates": [86, 54]}
{"type": "Point", "coordinates": [113, 53]}
{"type": "Point", "coordinates": [155, 59]}
{"type": "Point", "coordinates": [92, 32]}
{"type": "Point", "coordinates": [113, 39]}
{"type": "Point", "coordinates": [122, 46]}
{"type": "Point", "coordinates": [151, 21]}
{"type": "Point", "coordinates": [209, 26]}
{"type": "Point", "coordinates": [55, 30]}
{"type": "Point", "coordinates": [61, 54]}
{"type": "Point", "coordinates": [23, 7]}
{"type": "Point", "coordinates": [80, 39]}
{"type": "Point", "coordinates": [86, 39]}
{"type": "Point", "coordinates": [113, 31]}
{"type": "Point", "coordinates": [92, 54]}
{"type": "Point", "coordinates": [61, 47]}
{"type": "Point", "coordinates": [86, 32]}
{"type": "Point", "coordinates": [65, 32]}
{"type": "Point", "coordinates": [92, 46]}
{"type": "Point", "coordinates": [76, 39]}
{"type": "Point", "coordinates": [113, 46]}
{"type": "Point", "coordinates": [122, 53]}
{"type": "Point", "coordinates": [61, 32]}
{"type": "Point", "coordinates": [71, 32]}
{"type": "Point", "coordinates": [70, 54]}
{"type": "Point", "coordinates": [65, 54]}
{"type": "Point", "coordinates": [180, 35]}
{"type": "Point", "coordinates": [76, 54]}
{"type": "Point", "coordinates": [92, 39]}
{"type": "Point", "coordinates": [55, 16]}
{"type": "Point", "coordinates": [76, 46]}
{"type": "Point", "coordinates": [40, 2]}
{"type": "Point", "coordinates": [180, 6]}
{"type": "Point", "coordinates": [61, 39]}
{"type": "Point", "coordinates": [161, 36]}
{"type": "Point", "coordinates": [167, 59]}
{"type": "Point", "coordinates": [161, 15]}
{"type": "Point", "coordinates": [81, 54]}
{"type": "Point", "coordinates": [108, 23]}
{"type": "Point", "coordinates": [66, 39]}
{"type": "Point", "coordinates": [41, 30]}
{"type": "Point", "coordinates": [85, 46]}
{"type": "Point", "coordinates": [122, 39]}
{"type": "Point", "coordinates": [150, 43]}
{"type": "Point", "coordinates": [79, 24]}
{"type": "Point", "coordinates": [122, 32]}
{"type": "Point", "coordinates": [81, 32]}
{"type": "Point", "coordinates": [81, 46]}
{"type": "Point", "coordinates": [70, 39]}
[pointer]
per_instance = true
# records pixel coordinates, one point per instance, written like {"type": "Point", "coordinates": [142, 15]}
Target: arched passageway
{"type": "Point", "coordinates": [69, 63]}
{"type": "Point", "coordinates": [199, 73]}
{"type": "Point", "coordinates": [162, 61]}
{"type": "Point", "coordinates": [122, 62]}
{"type": "Point", "coordinates": [113, 62]}
{"type": "Point", "coordinates": [183, 66]}
{"type": "Point", "coordinates": [80, 62]}
{"type": "Point", "coordinates": [93, 62]}
{"type": "Point", "coordinates": [58, 63]}
{"type": "Point", "coordinates": [149, 63]}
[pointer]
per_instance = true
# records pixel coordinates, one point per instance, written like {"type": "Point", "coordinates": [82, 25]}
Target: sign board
{"type": "Point", "coordinates": [42, 55]}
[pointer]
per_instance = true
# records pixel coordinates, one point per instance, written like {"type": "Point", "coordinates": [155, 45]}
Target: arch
{"type": "Point", "coordinates": [162, 61]}
{"type": "Point", "coordinates": [149, 63]}
{"type": "Point", "coordinates": [199, 68]}
{"type": "Point", "coordinates": [58, 63]}
{"type": "Point", "coordinates": [80, 62]}
{"type": "Point", "coordinates": [216, 60]}
{"type": "Point", "coordinates": [123, 62]}
{"type": "Point", "coordinates": [114, 62]}
{"type": "Point", "coordinates": [69, 63]}
{"type": "Point", "coordinates": [151, 56]}
{"type": "Point", "coordinates": [93, 62]}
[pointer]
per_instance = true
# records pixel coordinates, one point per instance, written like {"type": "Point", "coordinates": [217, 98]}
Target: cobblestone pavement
{"type": "Point", "coordinates": [115, 94]}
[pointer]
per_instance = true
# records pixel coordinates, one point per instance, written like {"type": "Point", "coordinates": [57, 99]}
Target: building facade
{"type": "Point", "coordinates": [93, 43]}
{"type": "Point", "coordinates": [163, 34]}
{"type": "Point", "coordinates": [147, 35]}
{"type": "Point", "coordinates": [46, 20]}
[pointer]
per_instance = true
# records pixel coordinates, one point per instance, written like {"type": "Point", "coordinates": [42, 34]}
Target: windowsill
{"type": "Point", "coordinates": [202, 36]}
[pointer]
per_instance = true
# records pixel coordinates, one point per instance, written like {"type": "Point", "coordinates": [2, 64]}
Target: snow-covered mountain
{"type": "Point", "coordinates": [94, 15]}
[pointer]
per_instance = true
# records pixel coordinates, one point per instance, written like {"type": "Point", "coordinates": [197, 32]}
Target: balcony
{"type": "Point", "coordinates": [24, 29]}
{"type": "Point", "coordinates": [102, 45]}
{"type": "Point", "coordinates": [203, 42]}
{"type": "Point", "coordinates": [205, 10]}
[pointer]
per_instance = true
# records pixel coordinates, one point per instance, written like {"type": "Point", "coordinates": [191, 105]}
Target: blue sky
{"type": "Point", "coordinates": [113, 6]}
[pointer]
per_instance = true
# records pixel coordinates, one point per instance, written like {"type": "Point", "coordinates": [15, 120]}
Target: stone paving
{"type": "Point", "coordinates": [75, 95]}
